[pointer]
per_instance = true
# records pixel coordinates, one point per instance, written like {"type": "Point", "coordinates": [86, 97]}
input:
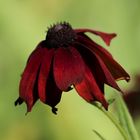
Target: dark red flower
{"type": "Point", "coordinates": [68, 57]}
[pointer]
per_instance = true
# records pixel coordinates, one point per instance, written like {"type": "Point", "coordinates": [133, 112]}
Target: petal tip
{"type": "Point", "coordinates": [54, 110]}
{"type": "Point", "coordinates": [29, 107]}
{"type": "Point", "coordinates": [128, 79]}
{"type": "Point", "coordinates": [105, 105]}
{"type": "Point", "coordinates": [19, 101]}
{"type": "Point", "coordinates": [109, 38]}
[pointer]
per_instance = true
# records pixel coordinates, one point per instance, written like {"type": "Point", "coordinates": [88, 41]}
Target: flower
{"type": "Point", "coordinates": [66, 58]}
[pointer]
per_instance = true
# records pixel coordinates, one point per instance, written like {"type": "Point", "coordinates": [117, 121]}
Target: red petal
{"type": "Point", "coordinates": [42, 44]}
{"type": "Point", "coordinates": [53, 93]}
{"type": "Point", "coordinates": [85, 40]}
{"type": "Point", "coordinates": [29, 77]}
{"type": "Point", "coordinates": [98, 68]}
{"type": "Point", "coordinates": [93, 64]}
{"type": "Point", "coordinates": [89, 90]}
{"type": "Point", "coordinates": [107, 37]}
{"type": "Point", "coordinates": [44, 72]}
{"type": "Point", "coordinates": [115, 69]}
{"type": "Point", "coordinates": [68, 67]}
{"type": "Point", "coordinates": [109, 79]}
{"type": "Point", "coordinates": [83, 90]}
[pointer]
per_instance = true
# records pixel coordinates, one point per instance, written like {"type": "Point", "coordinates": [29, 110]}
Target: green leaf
{"type": "Point", "coordinates": [126, 119]}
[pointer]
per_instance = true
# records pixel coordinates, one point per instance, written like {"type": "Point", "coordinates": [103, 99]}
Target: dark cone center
{"type": "Point", "coordinates": [60, 35]}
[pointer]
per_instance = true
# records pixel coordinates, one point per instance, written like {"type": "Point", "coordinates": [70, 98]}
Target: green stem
{"type": "Point", "coordinates": [99, 135]}
{"type": "Point", "coordinates": [125, 119]}
{"type": "Point", "coordinates": [115, 122]}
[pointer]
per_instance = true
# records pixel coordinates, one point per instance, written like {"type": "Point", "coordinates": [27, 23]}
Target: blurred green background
{"type": "Point", "coordinates": [23, 24]}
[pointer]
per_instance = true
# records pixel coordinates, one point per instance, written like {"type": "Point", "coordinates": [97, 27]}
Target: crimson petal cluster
{"type": "Point", "coordinates": [66, 58]}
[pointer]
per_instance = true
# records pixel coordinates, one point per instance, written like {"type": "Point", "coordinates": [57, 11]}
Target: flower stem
{"type": "Point", "coordinates": [99, 135]}
{"type": "Point", "coordinates": [115, 122]}
{"type": "Point", "coordinates": [125, 119]}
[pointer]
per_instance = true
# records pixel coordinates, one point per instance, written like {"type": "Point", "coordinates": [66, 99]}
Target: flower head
{"type": "Point", "coordinates": [68, 57]}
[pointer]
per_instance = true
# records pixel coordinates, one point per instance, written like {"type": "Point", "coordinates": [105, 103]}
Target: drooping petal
{"type": "Point", "coordinates": [53, 93]}
{"type": "Point", "coordinates": [82, 38]}
{"type": "Point", "coordinates": [68, 67]}
{"type": "Point", "coordinates": [35, 89]}
{"type": "Point", "coordinates": [84, 91]}
{"type": "Point", "coordinates": [92, 63]}
{"type": "Point", "coordinates": [115, 68]}
{"type": "Point", "coordinates": [89, 90]}
{"type": "Point", "coordinates": [41, 44]}
{"type": "Point", "coordinates": [29, 77]}
{"type": "Point", "coordinates": [107, 37]}
{"type": "Point", "coordinates": [44, 73]}
{"type": "Point", "coordinates": [98, 68]}
{"type": "Point", "coordinates": [109, 79]}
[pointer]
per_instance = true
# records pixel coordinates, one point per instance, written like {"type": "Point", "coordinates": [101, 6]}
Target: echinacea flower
{"type": "Point", "coordinates": [66, 58]}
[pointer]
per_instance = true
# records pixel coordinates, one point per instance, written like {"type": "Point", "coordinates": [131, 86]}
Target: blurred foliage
{"type": "Point", "coordinates": [23, 23]}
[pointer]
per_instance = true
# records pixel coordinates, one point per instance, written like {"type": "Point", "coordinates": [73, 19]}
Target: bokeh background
{"type": "Point", "coordinates": [23, 24]}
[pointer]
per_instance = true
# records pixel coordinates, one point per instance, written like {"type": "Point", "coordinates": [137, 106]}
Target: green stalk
{"type": "Point", "coordinates": [125, 119]}
{"type": "Point", "coordinates": [114, 121]}
{"type": "Point", "coordinates": [99, 135]}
